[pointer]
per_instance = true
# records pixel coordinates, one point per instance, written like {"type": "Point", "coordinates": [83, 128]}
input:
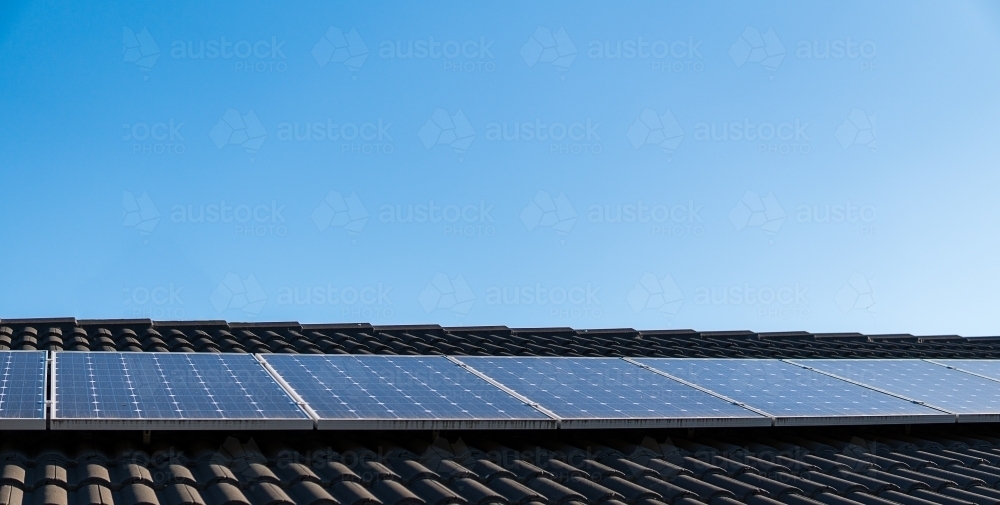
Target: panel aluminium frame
{"type": "Point", "coordinates": [543, 422]}
{"type": "Point", "coordinates": [751, 419]}
{"type": "Point", "coordinates": [31, 423]}
{"type": "Point", "coordinates": [306, 422]}
{"type": "Point", "coordinates": [804, 378]}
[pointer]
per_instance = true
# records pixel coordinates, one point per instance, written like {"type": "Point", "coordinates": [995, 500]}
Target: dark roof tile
{"type": "Point", "coordinates": [51, 494]}
{"type": "Point", "coordinates": [970, 495]}
{"type": "Point", "coordinates": [267, 493]}
{"type": "Point", "coordinates": [434, 492]}
{"type": "Point", "coordinates": [475, 493]}
{"type": "Point", "coordinates": [138, 493]}
{"type": "Point", "coordinates": [352, 493]}
{"type": "Point", "coordinates": [704, 490]}
{"type": "Point", "coordinates": [515, 492]}
{"type": "Point", "coordinates": [594, 492]}
{"type": "Point", "coordinates": [181, 494]}
{"type": "Point", "coordinates": [308, 492]}
{"type": "Point", "coordinates": [224, 493]}
{"type": "Point", "coordinates": [394, 493]}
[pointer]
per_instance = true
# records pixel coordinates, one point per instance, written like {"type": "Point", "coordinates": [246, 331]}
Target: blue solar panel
{"type": "Point", "coordinates": [22, 389]}
{"type": "Point", "coordinates": [794, 395]}
{"type": "Point", "coordinates": [986, 367]}
{"type": "Point", "coordinates": [972, 398]}
{"type": "Point", "coordinates": [108, 390]}
{"type": "Point", "coordinates": [595, 392]}
{"type": "Point", "coordinates": [420, 392]}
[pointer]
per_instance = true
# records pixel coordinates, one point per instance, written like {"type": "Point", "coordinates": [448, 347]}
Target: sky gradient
{"type": "Point", "coordinates": [770, 167]}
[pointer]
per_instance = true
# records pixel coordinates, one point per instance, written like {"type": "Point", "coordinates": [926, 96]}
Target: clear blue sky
{"type": "Point", "coordinates": [772, 166]}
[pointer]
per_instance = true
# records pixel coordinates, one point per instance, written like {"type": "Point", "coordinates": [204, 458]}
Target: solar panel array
{"type": "Point", "coordinates": [970, 397]}
{"type": "Point", "coordinates": [411, 392]}
{"type": "Point", "coordinates": [793, 395]}
{"type": "Point", "coordinates": [176, 391]}
{"type": "Point", "coordinates": [610, 392]}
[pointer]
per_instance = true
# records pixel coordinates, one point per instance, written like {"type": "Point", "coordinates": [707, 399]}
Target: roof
{"type": "Point", "coordinates": [949, 464]}
{"type": "Point", "coordinates": [719, 467]}
{"type": "Point", "coordinates": [292, 337]}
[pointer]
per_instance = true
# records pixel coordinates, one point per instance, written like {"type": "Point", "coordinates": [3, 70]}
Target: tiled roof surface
{"type": "Point", "coordinates": [290, 337]}
{"type": "Point", "coordinates": [831, 466]}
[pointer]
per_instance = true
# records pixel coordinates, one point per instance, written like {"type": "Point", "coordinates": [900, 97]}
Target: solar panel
{"type": "Point", "coordinates": [794, 395]}
{"type": "Point", "coordinates": [22, 390]}
{"type": "Point", "coordinates": [405, 392]}
{"type": "Point", "coordinates": [152, 390]}
{"type": "Point", "coordinates": [989, 368]}
{"type": "Point", "coordinates": [972, 398]}
{"type": "Point", "coordinates": [611, 392]}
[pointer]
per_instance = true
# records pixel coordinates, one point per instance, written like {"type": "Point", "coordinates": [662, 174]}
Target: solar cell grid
{"type": "Point", "coordinates": [986, 367]}
{"type": "Point", "coordinates": [594, 392]}
{"type": "Point", "coordinates": [22, 389]}
{"type": "Point", "coordinates": [179, 390]}
{"type": "Point", "coordinates": [972, 398]}
{"type": "Point", "coordinates": [371, 392]}
{"type": "Point", "coordinates": [794, 395]}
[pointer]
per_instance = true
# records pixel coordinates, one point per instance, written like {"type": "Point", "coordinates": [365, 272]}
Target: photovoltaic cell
{"type": "Point", "coordinates": [147, 390]}
{"type": "Point", "coordinates": [794, 395]}
{"type": "Point", "coordinates": [411, 392]}
{"type": "Point", "coordinates": [972, 398]}
{"type": "Point", "coordinates": [22, 390]}
{"type": "Point", "coordinates": [611, 392]}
